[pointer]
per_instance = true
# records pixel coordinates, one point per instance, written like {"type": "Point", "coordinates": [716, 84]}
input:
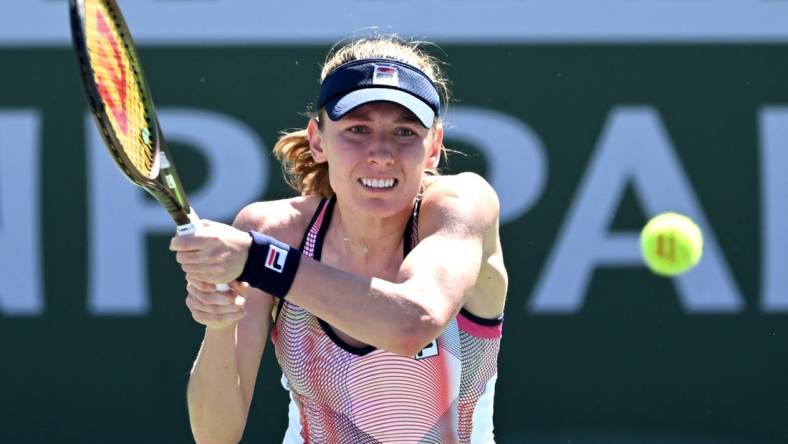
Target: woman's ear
{"type": "Point", "coordinates": [436, 143]}
{"type": "Point", "coordinates": [315, 137]}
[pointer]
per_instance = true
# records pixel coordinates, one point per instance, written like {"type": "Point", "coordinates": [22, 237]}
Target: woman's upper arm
{"type": "Point", "coordinates": [457, 218]}
{"type": "Point", "coordinates": [251, 337]}
{"type": "Point", "coordinates": [279, 219]}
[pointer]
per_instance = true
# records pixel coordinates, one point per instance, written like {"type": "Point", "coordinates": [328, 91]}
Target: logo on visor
{"type": "Point", "coordinates": [385, 75]}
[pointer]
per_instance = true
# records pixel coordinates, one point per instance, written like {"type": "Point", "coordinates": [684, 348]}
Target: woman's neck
{"type": "Point", "coordinates": [363, 237]}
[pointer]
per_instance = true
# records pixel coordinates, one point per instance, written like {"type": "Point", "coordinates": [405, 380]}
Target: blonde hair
{"type": "Point", "coordinates": [292, 149]}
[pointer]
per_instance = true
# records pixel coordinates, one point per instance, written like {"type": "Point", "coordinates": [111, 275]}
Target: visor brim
{"type": "Point", "coordinates": [340, 106]}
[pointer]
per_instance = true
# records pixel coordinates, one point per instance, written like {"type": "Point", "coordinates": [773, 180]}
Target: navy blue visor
{"type": "Point", "coordinates": [372, 80]}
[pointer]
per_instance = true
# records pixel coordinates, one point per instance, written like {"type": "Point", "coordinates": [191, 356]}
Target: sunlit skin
{"type": "Point", "coordinates": [370, 295]}
{"type": "Point", "coordinates": [379, 140]}
{"type": "Point", "coordinates": [363, 286]}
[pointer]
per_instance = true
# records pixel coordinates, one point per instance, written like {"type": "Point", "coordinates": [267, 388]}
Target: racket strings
{"type": "Point", "coordinates": [119, 86]}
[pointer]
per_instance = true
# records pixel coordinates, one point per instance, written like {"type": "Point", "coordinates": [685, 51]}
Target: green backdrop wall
{"type": "Point", "coordinates": [630, 364]}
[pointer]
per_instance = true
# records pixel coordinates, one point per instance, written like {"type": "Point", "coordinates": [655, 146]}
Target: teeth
{"type": "Point", "coordinates": [378, 183]}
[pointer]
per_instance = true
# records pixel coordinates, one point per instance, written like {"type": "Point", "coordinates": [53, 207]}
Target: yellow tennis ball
{"type": "Point", "coordinates": [671, 244]}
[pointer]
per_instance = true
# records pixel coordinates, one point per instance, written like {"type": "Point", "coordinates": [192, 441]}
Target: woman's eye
{"type": "Point", "coordinates": [405, 132]}
{"type": "Point", "coordinates": [357, 130]}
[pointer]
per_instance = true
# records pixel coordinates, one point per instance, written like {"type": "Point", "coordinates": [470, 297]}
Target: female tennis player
{"type": "Point", "coordinates": [382, 285]}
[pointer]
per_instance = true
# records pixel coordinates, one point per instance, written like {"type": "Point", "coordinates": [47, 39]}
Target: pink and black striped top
{"type": "Point", "coordinates": [345, 394]}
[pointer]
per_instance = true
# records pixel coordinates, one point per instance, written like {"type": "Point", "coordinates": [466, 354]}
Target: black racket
{"type": "Point", "coordinates": [123, 108]}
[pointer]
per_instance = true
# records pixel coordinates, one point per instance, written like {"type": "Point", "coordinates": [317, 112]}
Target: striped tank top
{"type": "Point", "coordinates": [345, 394]}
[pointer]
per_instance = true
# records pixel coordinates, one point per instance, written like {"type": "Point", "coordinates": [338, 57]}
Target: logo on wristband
{"type": "Point", "coordinates": [276, 258]}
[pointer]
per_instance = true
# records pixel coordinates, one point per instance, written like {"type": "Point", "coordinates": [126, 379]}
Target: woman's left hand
{"type": "Point", "coordinates": [214, 253]}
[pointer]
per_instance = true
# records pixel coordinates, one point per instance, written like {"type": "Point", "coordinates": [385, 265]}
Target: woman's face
{"type": "Point", "coordinates": [377, 155]}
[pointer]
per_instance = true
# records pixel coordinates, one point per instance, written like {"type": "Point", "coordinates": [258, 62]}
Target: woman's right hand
{"type": "Point", "coordinates": [212, 308]}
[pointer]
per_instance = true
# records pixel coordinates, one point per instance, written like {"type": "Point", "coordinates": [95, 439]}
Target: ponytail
{"type": "Point", "coordinates": [300, 170]}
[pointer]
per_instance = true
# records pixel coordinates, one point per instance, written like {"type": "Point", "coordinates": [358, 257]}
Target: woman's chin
{"type": "Point", "coordinates": [380, 206]}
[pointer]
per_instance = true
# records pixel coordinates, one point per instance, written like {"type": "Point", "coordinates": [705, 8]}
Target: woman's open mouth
{"type": "Point", "coordinates": [378, 184]}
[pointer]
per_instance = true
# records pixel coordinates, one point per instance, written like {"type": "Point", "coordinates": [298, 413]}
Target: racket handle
{"type": "Point", "coordinates": [189, 229]}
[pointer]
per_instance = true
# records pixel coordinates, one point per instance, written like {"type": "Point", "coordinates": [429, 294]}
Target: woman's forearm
{"type": "Point", "coordinates": [217, 408]}
{"type": "Point", "coordinates": [375, 311]}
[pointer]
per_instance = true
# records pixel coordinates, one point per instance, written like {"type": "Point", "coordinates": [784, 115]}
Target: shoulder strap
{"type": "Point", "coordinates": [411, 238]}
{"type": "Point", "coordinates": [312, 244]}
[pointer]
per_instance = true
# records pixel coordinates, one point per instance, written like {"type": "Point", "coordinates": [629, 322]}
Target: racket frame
{"type": "Point", "coordinates": [163, 184]}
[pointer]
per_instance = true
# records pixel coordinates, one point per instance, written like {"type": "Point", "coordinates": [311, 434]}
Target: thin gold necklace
{"type": "Point", "coordinates": [359, 243]}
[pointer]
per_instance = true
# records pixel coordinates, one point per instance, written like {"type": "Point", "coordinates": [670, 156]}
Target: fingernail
{"type": "Point", "coordinates": [240, 301]}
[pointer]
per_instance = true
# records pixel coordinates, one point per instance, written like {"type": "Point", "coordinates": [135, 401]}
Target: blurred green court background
{"type": "Point", "coordinates": [637, 359]}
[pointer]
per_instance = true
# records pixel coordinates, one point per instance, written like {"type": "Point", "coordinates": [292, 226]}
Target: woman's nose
{"type": "Point", "coordinates": [380, 153]}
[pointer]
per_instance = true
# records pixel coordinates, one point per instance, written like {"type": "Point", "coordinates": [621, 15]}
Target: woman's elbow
{"type": "Point", "coordinates": [414, 336]}
{"type": "Point", "coordinates": [218, 430]}
{"type": "Point", "coordinates": [210, 438]}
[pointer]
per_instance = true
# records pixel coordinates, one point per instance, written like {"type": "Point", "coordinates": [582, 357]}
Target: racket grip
{"type": "Point", "coordinates": [189, 228]}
